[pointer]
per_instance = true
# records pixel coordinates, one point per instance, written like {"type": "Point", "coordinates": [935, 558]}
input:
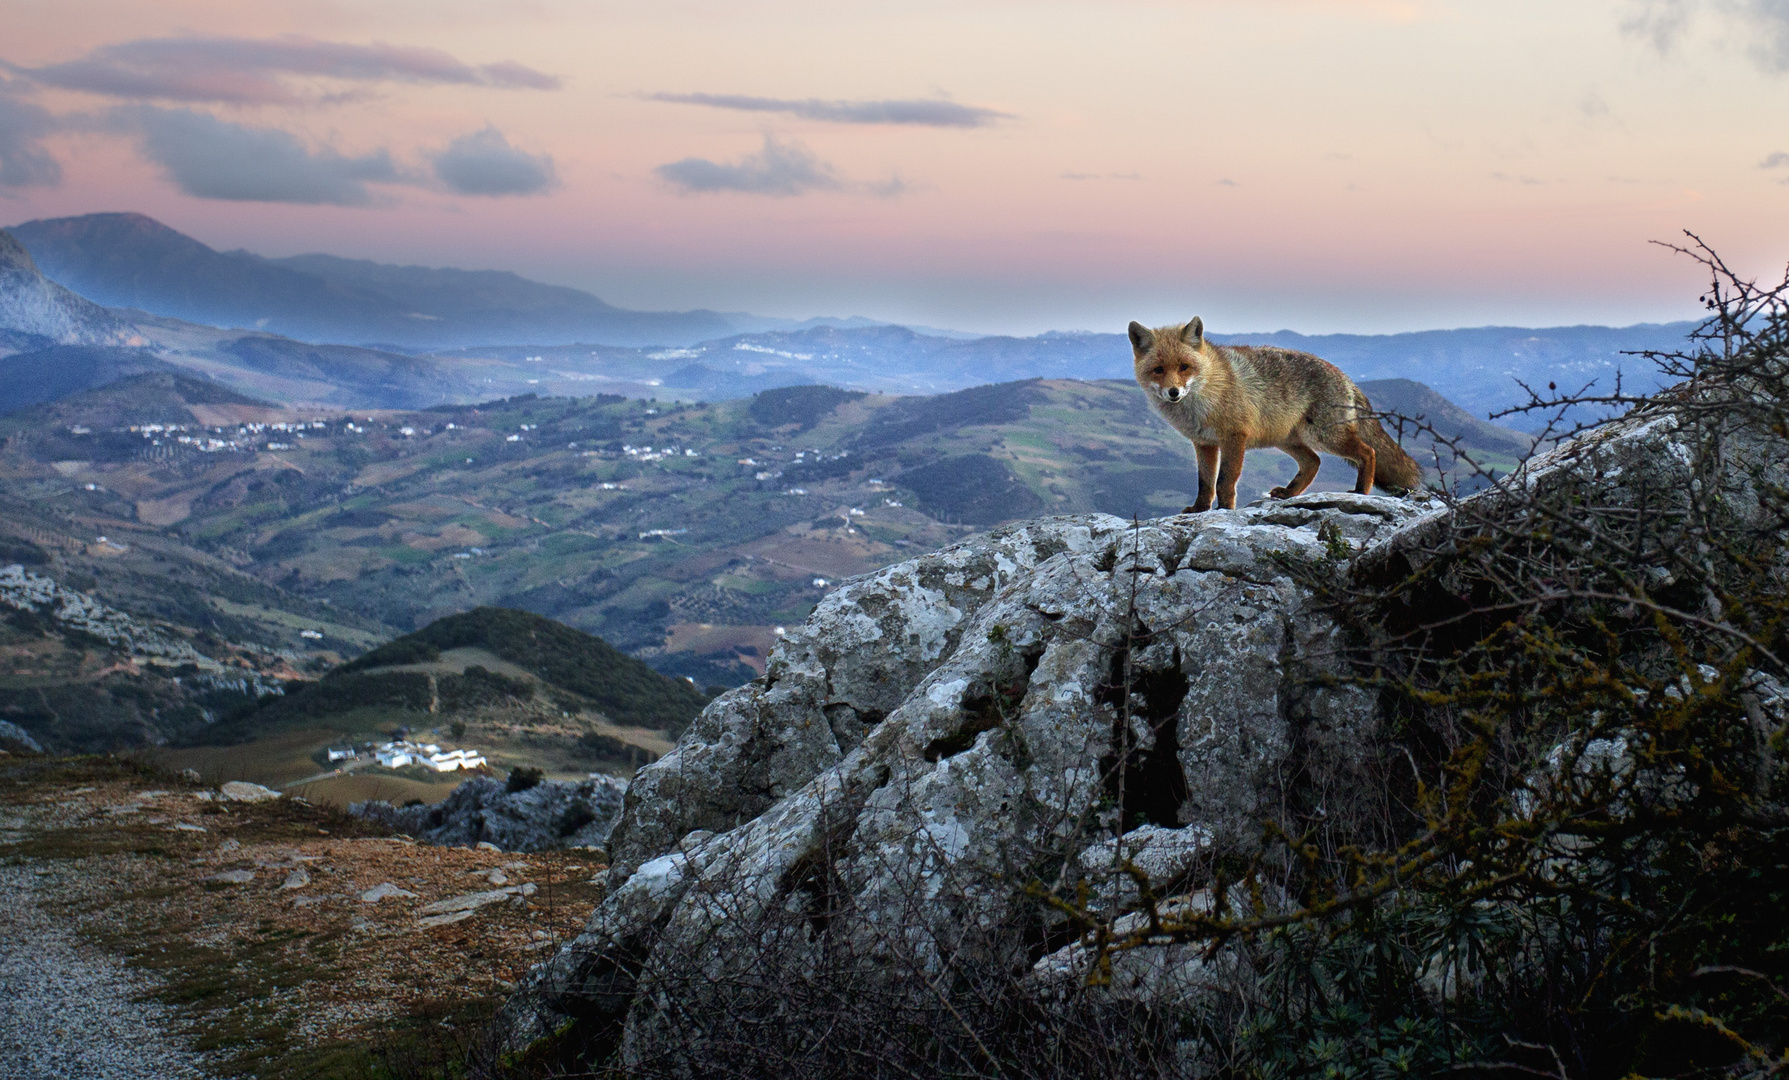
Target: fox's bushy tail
{"type": "Point", "coordinates": [1393, 468]}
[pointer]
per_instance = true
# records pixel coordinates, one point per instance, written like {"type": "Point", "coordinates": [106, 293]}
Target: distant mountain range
{"type": "Point", "coordinates": [133, 261]}
{"type": "Point", "coordinates": [458, 336]}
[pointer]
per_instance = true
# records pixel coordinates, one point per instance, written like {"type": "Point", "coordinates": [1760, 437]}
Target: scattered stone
{"type": "Point", "coordinates": [192, 775]}
{"type": "Point", "coordinates": [297, 879]}
{"type": "Point", "coordinates": [233, 877]}
{"type": "Point", "coordinates": [486, 845]}
{"type": "Point", "coordinates": [468, 902]}
{"type": "Point", "coordinates": [383, 890]}
{"type": "Point", "coordinates": [232, 844]}
{"type": "Point", "coordinates": [184, 827]}
{"type": "Point", "coordinates": [497, 877]}
{"type": "Point", "coordinates": [529, 888]}
{"type": "Point", "coordinates": [243, 791]}
{"type": "Point", "coordinates": [204, 796]}
{"type": "Point", "coordinates": [443, 920]}
{"type": "Point", "coordinates": [143, 795]}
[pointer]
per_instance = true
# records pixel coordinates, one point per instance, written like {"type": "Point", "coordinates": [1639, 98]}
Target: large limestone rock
{"type": "Point", "coordinates": [551, 814]}
{"type": "Point", "coordinates": [946, 730]}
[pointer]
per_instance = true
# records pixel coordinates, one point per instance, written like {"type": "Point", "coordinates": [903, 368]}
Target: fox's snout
{"type": "Point", "coordinates": [1172, 393]}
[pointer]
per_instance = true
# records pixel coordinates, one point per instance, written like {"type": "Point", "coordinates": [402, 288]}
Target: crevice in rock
{"type": "Point", "coordinates": [1175, 555]}
{"type": "Point", "coordinates": [985, 712]}
{"type": "Point", "coordinates": [815, 875]}
{"type": "Point", "coordinates": [1107, 561]}
{"type": "Point", "coordinates": [1143, 777]}
{"type": "Point", "coordinates": [849, 723]}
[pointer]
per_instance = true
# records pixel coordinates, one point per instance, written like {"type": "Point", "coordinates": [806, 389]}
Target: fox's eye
{"type": "Point", "coordinates": [1157, 371]}
{"type": "Point", "coordinates": [1184, 368]}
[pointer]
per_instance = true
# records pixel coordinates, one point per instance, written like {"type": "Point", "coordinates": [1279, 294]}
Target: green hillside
{"type": "Point", "coordinates": [626, 690]}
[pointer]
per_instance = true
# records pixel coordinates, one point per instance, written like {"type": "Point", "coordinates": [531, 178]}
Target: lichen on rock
{"type": "Point", "coordinates": [946, 731]}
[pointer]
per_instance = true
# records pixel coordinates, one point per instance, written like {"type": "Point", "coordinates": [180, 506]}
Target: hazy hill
{"type": "Point", "coordinates": [497, 307]}
{"type": "Point", "coordinates": [1422, 406]}
{"type": "Point", "coordinates": [1480, 367]}
{"type": "Point", "coordinates": [129, 260]}
{"type": "Point", "coordinates": [40, 375]}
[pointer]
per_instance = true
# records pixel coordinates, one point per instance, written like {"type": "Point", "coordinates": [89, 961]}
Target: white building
{"type": "Point", "coordinates": [396, 755]}
{"type": "Point", "coordinates": [346, 754]}
{"type": "Point", "coordinates": [455, 759]}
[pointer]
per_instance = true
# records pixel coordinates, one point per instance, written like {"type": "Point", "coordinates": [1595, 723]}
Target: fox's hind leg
{"type": "Point", "coordinates": [1348, 443]}
{"type": "Point", "coordinates": [1308, 464]}
{"type": "Point", "coordinates": [1208, 472]}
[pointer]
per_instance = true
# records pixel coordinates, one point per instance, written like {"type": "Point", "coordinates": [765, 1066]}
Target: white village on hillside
{"type": "Point", "coordinates": [402, 752]}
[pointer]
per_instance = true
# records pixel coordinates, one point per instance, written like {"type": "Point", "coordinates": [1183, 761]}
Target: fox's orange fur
{"type": "Point", "coordinates": [1229, 399]}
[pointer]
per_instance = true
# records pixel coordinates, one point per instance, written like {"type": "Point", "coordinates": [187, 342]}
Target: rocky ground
{"type": "Point", "coordinates": [154, 928]}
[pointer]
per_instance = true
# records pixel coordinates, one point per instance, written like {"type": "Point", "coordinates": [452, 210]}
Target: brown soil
{"type": "Point", "coordinates": [269, 980]}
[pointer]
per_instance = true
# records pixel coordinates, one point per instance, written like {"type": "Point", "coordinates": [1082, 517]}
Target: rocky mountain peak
{"type": "Point", "coordinates": [13, 255]}
{"type": "Point", "coordinates": [33, 304]}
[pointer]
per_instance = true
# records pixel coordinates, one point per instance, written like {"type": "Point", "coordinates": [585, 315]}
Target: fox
{"type": "Point", "coordinates": [1230, 399]}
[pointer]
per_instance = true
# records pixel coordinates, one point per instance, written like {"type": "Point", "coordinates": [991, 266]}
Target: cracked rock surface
{"type": "Point", "coordinates": [950, 725]}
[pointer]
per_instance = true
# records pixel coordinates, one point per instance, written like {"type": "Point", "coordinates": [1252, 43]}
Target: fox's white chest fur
{"type": "Point", "coordinates": [1188, 416]}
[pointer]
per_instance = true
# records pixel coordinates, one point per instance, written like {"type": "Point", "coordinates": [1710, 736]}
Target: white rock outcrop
{"type": "Point", "coordinates": [23, 590]}
{"type": "Point", "coordinates": [944, 730]}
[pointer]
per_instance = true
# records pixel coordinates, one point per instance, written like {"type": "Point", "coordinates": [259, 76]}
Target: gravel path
{"type": "Point", "coordinates": [67, 1011]}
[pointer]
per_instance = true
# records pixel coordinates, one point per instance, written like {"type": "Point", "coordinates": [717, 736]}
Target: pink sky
{"type": "Point", "coordinates": [1319, 165]}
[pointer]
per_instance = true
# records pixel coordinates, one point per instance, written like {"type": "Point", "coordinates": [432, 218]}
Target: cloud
{"type": "Point", "coordinates": [1777, 160]}
{"type": "Point", "coordinates": [1768, 24]}
{"type": "Point", "coordinates": [1762, 24]}
{"type": "Point", "coordinates": [260, 71]}
{"type": "Point", "coordinates": [23, 162]}
{"type": "Point", "coordinates": [920, 112]}
{"type": "Point", "coordinates": [1660, 22]}
{"type": "Point", "coordinates": [779, 169]}
{"type": "Point", "coordinates": [211, 159]}
{"type": "Point", "coordinates": [484, 163]}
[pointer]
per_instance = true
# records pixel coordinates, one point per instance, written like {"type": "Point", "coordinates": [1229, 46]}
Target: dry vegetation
{"type": "Point", "coordinates": [309, 981]}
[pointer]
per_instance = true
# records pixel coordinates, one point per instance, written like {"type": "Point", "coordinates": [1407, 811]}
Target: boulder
{"type": "Point", "coordinates": [243, 791]}
{"type": "Point", "coordinates": [15, 739]}
{"type": "Point", "coordinates": [481, 812]}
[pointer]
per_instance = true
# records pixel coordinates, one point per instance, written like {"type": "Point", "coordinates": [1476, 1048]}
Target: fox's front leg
{"type": "Point", "coordinates": [1208, 473]}
{"type": "Point", "coordinates": [1230, 472]}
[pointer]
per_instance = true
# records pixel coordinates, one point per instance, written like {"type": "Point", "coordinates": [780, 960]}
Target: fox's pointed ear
{"type": "Point", "coordinates": [1142, 339]}
{"type": "Point", "coordinates": [1193, 333]}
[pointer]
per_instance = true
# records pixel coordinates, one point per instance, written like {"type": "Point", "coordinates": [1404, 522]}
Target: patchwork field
{"type": "Point", "coordinates": [682, 534]}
